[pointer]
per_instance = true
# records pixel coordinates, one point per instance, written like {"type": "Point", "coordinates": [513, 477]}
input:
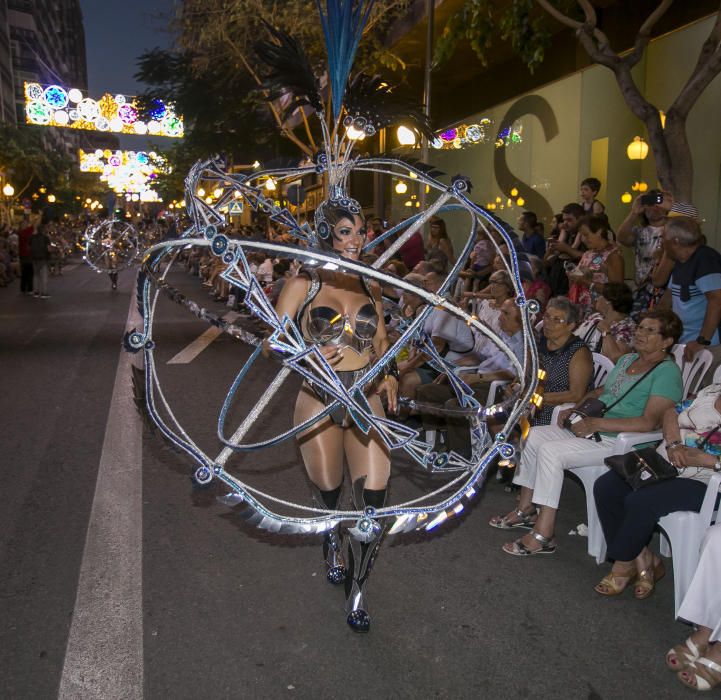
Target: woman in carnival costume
{"type": "Point", "coordinates": [328, 322]}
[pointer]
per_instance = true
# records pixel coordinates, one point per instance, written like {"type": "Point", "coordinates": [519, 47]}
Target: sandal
{"type": "Point", "coordinates": [518, 549]}
{"type": "Point", "coordinates": [647, 579]}
{"type": "Point", "coordinates": [525, 521]}
{"type": "Point", "coordinates": [701, 674]}
{"type": "Point", "coordinates": [682, 655]}
{"type": "Point", "coordinates": [609, 585]}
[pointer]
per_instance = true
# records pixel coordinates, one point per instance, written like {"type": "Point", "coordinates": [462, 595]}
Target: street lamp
{"type": "Point", "coordinates": [405, 136]}
{"type": "Point", "coordinates": [8, 190]}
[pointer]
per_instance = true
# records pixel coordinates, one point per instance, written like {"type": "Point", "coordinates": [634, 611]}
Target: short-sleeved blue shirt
{"type": "Point", "coordinates": [690, 281]}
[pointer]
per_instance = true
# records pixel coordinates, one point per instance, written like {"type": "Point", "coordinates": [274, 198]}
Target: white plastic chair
{"type": "Point", "coordinates": [602, 366]}
{"type": "Point", "coordinates": [683, 531]}
{"type": "Point", "coordinates": [694, 371]}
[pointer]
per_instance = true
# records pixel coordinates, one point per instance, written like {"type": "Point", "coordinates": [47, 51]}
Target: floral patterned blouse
{"type": "Point", "coordinates": [593, 261]}
{"type": "Point", "coordinates": [699, 421]}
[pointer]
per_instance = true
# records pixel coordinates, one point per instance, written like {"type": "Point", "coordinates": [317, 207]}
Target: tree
{"type": "Point", "coordinates": [27, 162]}
{"type": "Point", "coordinates": [669, 143]}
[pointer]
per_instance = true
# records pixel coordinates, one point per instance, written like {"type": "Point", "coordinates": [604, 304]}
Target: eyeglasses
{"type": "Point", "coordinates": [646, 330]}
{"type": "Point", "coordinates": [554, 319]}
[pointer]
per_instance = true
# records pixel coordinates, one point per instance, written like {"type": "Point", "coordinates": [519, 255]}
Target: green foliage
{"type": "Point", "coordinates": [480, 22]}
{"type": "Point", "coordinates": [27, 162]}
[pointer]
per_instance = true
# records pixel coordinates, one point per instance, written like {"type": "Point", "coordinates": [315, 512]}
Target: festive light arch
{"type": "Point", "coordinates": [54, 105]}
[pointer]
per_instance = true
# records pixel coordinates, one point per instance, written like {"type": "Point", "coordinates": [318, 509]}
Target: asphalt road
{"type": "Point", "coordinates": [120, 579]}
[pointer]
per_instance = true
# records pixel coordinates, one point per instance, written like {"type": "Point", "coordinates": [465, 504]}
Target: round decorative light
{"type": "Point", "coordinates": [401, 187]}
{"type": "Point", "coordinates": [38, 113]}
{"type": "Point", "coordinates": [217, 192]}
{"type": "Point", "coordinates": [355, 134]}
{"type": "Point", "coordinates": [89, 109]}
{"type": "Point", "coordinates": [408, 203]}
{"type": "Point", "coordinates": [437, 143]}
{"type": "Point", "coordinates": [626, 197]}
{"type": "Point", "coordinates": [115, 124]}
{"type": "Point", "coordinates": [520, 201]}
{"type": "Point", "coordinates": [642, 186]}
{"type": "Point", "coordinates": [406, 137]}
{"type": "Point", "coordinates": [61, 117]}
{"type": "Point", "coordinates": [514, 192]}
{"type": "Point", "coordinates": [637, 149]}
{"type": "Point", "coordinates": [75, 95]}
{"type": "Point", "coordinates": [120, 99]}
{"type": "Point", "coordinates": [449, 135]}
{"type": "Point", "coordinates": [51, 198]}
{"type": "Point", "coordinates": [201, 192]}
{"type": "Point", "coordinates": [270, 184]}
{"type": "Point", "coordinates": [34, 91]}
{"type": "Point", "coordinates": [55, 96]}
{"type": "Point", "coordinates": [153, 127]}
{"type": "Point", "coordinates": [8, 190]}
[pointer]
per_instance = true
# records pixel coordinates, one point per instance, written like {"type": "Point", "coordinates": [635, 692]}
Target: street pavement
{"type": "Point", "coordinates": [121, 579]}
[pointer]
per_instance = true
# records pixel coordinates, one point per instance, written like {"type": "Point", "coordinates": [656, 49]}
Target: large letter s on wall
{"type": "Point", "coordinates": [538, 107]}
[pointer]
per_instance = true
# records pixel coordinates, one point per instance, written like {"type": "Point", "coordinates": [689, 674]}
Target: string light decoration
{"type": "Point", "coordinates": [53, 105]}
{"type": "Point", "coordinates": [510, 136]}
{"type": "Point", "coordinates": [126, 172]}
{"type": "Point", "coordinates": [463, 135]}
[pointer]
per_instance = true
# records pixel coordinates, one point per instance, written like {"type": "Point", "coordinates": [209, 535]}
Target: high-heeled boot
{"type": "Point", "coordinates": [335, 569]}
{"type": "Point", "coordinates": [362, 553]}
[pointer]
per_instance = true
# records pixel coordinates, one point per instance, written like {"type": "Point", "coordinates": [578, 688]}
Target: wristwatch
{"type": "Point", "coordinates": [717, 465]}
{"type": "Point", "coordinates": [702, 341]}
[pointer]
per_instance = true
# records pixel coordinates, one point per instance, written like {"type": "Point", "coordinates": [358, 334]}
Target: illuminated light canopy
{"type": "Point", "coordinates": [53, 105]}
{"type": "Point", "coordinates": [510, 136]}
{"type": "Point", "coordinates": [129, 172]}
{"type": "Point", "coordinates": [463, 135]}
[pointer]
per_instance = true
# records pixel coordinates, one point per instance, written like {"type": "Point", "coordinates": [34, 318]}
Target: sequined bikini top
{"type": "Point", "coordinates": [328, 326]}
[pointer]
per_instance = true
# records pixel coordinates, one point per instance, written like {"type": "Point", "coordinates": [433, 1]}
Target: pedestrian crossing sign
{"type": "Point", "coordinates": [235, 208]}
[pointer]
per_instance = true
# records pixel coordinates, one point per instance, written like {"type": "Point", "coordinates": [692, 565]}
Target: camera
{"type": "Point", "coordinates": [651, 199]}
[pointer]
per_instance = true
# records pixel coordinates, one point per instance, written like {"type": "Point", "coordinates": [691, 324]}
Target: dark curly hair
{"type": "Point", "coordinates": [619, 295]}
{"type": "Point", "coordinates": [671, 325]}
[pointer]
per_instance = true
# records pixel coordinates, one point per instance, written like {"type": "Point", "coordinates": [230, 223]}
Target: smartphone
{"type": "Point", "coordinates": [649, 200]}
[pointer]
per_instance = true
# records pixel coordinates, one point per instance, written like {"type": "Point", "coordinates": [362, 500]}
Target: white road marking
{"type": "Point", "coordinates": [189, 353]}
{"type": "Point", "coordinates": [104, 655]}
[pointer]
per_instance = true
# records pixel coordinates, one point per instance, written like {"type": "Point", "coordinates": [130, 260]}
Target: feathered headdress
{"type": "Point", "coordinates": [365, 104]}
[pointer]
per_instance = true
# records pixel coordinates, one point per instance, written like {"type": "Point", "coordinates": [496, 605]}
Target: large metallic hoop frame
{"type": "Point", "coordinates": [296, 355]}
{"type": "Point", "coordinates": [110, 246]}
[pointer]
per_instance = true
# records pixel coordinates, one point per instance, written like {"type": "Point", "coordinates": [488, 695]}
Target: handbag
{"type": "Point", "coordinates": [641, 468]}
{"type": "Point", "coordinates": [595, 408]}
{"type": "Point", "coordinates": [644, 467]}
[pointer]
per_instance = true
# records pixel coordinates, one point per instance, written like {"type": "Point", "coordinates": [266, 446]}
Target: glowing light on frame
{"type": "Point", "coordinates": [53, 105]}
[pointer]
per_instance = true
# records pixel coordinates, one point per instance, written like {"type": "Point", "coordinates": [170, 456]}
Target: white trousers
{"type": "Point", "coordinates": [702, 602]}
{"type": "Point", "coordinates": [547, 452]}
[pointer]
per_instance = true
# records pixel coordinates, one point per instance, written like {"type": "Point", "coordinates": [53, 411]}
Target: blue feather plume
{"type": "Point", "coordinates": [343, 22]}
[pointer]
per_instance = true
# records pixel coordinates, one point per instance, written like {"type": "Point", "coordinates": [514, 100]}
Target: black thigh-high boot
{"type": "Point", "coordinates": [335, 570]}
{"type": "Point", "coordinates": [362, 553]}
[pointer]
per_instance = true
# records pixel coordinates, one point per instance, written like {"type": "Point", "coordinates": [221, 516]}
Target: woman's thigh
{"type": "Point", "coordinates": [367, 455]}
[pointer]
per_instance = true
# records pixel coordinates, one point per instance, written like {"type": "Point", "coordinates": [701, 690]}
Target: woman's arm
{"type": "Point", "coordinates": [614, 267]}
{"type": "Point", "coordinates": [447, 247]}
{"type": "Point", "coordinates": [389, 385]}
{"type": "Point", "coordinates": [651, 419]}
{"type": "Point", "coordinates": [580, 371]}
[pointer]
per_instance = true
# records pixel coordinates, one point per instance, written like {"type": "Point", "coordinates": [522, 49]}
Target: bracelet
{"type": "Point", "coordinates": [391, 370]}
{"type": "Point", "coordinates": [674, 444]}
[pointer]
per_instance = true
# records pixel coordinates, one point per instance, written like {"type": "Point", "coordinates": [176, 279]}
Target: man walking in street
{"type": "Point", "coordinates": [40, 252]}
{"type": "Point", "coordinates": [25, 233]}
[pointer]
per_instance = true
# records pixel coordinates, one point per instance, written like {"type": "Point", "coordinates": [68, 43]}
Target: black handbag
{"type": "Point", "coordinates": [640, 468]}
{"type": "Point", "coordinates": [595, 408]}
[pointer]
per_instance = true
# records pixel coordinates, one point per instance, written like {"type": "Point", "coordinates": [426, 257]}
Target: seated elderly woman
{"type": "Point", "coordinates": [610, 330]}
{"type": "Point", "coordinates": [692, 442]}
{"type": "Point", "coordinates": [698, 660]}
{"type": "Point", "coordinates": [564, 357]}
{"type": "Point", "coordinates": [638, 391]}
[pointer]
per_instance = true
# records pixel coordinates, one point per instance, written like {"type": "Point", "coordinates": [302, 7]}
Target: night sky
{"type": "Point", "coordinates": [116, 33]}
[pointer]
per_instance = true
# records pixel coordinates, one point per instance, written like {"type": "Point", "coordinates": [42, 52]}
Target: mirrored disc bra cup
{"type": "Point", "coordinates": [326, 326]}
